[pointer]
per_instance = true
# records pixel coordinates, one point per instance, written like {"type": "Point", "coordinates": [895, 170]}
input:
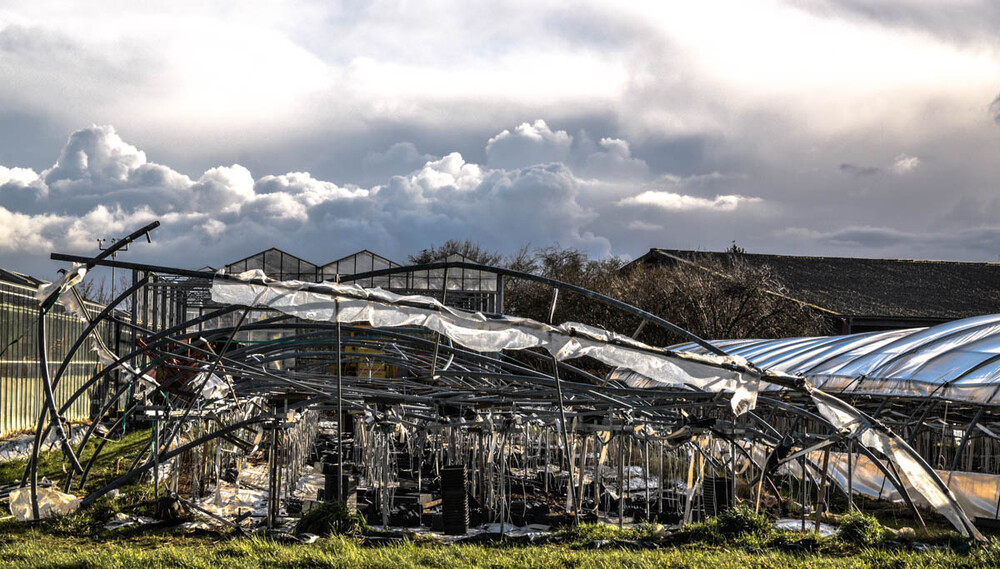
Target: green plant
{"type": "Point", "coordinates": [331, 518]}
{"type": "Point", "coordinates": [860, 529]}
{"type": "Point", "coordinates": [743, 521]}
{"type": "Point", "coordinates": [739, 526]}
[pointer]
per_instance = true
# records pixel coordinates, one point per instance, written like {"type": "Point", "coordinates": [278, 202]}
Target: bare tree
{"type": "Point", "coordinates": [710, 300]}
{"type": "Point", "coordinates": [100, 291]}
{"type": "Point", "coordinates": [467, 248]}
{"type": "Point", "coordinates": [715, 301]}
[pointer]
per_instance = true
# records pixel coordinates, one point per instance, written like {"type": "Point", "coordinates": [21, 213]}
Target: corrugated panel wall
{"type": "Point", "coordinates": [22, 396]}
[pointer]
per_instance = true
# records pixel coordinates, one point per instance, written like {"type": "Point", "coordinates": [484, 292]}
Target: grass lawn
{"type": "Point", "coordinates": [36, 548]}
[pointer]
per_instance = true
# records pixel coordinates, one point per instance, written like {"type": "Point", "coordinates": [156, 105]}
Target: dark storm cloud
{"type": "Point", "coordinates": [400, 158]}
{"type": "Point", "coordinates": [867, 237]}
{"type": "Point", "coordinates": [859, 171]}
{"type": "Point", "coordinates": [887, 241]}
{"type": "Point", "coordinates": [28, 140]}
{"type": "Point", "coordinates": [971, 21]}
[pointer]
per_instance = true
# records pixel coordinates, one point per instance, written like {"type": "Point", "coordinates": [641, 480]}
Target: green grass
{"type": "Point", "coordinates": [80, 541]}
{"type": "Point", "coordinates": [583, 534]}
{"type": "Point", "coordinates": [152, 549]}
{"type": "Point", "coordinates": [114, 460]}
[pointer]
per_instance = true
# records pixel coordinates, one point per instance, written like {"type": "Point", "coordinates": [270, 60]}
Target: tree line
{"type": "Point", "coordinates": [715, 302]}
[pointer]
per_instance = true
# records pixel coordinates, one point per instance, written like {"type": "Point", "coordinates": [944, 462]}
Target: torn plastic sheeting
{"type": "Point", "coordinates": [744, 387]}
{"type": "Point", "coordinates": [476, 331]}
{"type": "Point", "coordinates": [382, 309]}
{"type": "Point", "coordinates": [124, 520]}
{"type": "Point", "coordinates": [849, 420]}
{"type": "Point", "coordinates": [51, 503]}
{"type": "Point", "coordinates": [790, 524]}
{"type": "Point", "coordinates": [213, 387]}
{"type": "Point", "coordinates": [66, 282]}
{"type": "Point", "coordinates": [976, 492]}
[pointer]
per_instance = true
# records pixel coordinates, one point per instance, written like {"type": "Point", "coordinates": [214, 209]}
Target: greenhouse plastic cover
{"type": "Point", "coordinates": [978, 493]}
{"type": "Point", "coordinates": [957, 360]}
{"type": "Point", "coordinates": [333, 302]}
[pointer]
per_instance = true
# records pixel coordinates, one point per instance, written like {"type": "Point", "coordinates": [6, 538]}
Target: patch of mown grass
{"type": "Point", "coordinates": [114, 459]}
{"type": "Point", "coordinates": [340, 551]}
{"type": "Point", "coordinates": [587, 533]}
{"type": "Point", "coordinates": [736, 541]}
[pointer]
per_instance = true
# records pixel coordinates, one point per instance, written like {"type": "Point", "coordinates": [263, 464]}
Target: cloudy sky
{"type": "Point", "coordinates": [829, 127]}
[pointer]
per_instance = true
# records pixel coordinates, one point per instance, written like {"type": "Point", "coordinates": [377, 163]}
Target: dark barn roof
{"type": "Point", "coordinates": [871, 288]}
{"type": "Point", "coordinates": [18, 278]}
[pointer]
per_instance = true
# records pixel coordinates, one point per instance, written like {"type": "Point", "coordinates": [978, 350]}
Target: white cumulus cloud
{"type": "Point", "coordinates": [678, 202]}
{"type": "Point", "coordinates": [904, 164]}
{"type": "Point", "coordinates": [528, 144]}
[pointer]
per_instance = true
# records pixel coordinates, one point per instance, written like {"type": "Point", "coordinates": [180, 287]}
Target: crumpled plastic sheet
{"type": "Point", "coordinates": [69, 301]}
{"type": "Point", "coordinates": [124, 520]}
{"type": "Point", "coordinates": [228, 500]}
{"type": "Point", "coordinates": [825, 530]}
{"type": "Point", "coordinates": [476, 331]}
{"type": "Point", "coordinates": [850, 421]}
{"type": "Point", "coordinates": [214, 387]}
{"type": "Point", "coordinates": [51, 502]}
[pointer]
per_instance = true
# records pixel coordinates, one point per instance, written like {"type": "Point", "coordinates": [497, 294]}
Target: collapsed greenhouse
{"type": "Point", "coordinates": [263, 397]}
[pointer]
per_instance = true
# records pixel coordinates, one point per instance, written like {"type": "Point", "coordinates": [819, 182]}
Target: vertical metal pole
{"type": "Point", "coordinates": [662, 480]}
{"type": "Point", "coordinates": [565, 428]}
{"type": "Point", "coordinates": [444, 287]}
{"type": "Point", "coordinates": [804, 478]}
{"type": "Point", "coordinates": [732, 481]}
{"type": "Point", "coordinates": [821, 491]}
{"type": "Point", "coordinates": [503, 489]}
{"type": "Point", "coordinates": [524, 461]}
{"type": "Point", "coordinates": [156, 455]}
{"type": "Point", "coordinates": [498, 308]}
{"type": "Point", "coordinates": [621, 481]}
{"type": "Point", "coordinates": [629, 475]}
{"type": "Point", "coordinates": [647, 476]}
{"type": "Point", "coordinates": [340, 410]}
{"type": "Point", "coordinates": [595, 480]}
{"type": "Point", "coordinates": [545, 462]}
{"type": "Point", "coordinates": [272, 478]}
{"type": "Point", "coordinates": [385, 482]}
{"type": "Point", "coordinates": [583, 468]}
{"type": "Point", "coordinates": [850, 476]}
{"type": "Point", "coordinates": [481, 456]}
